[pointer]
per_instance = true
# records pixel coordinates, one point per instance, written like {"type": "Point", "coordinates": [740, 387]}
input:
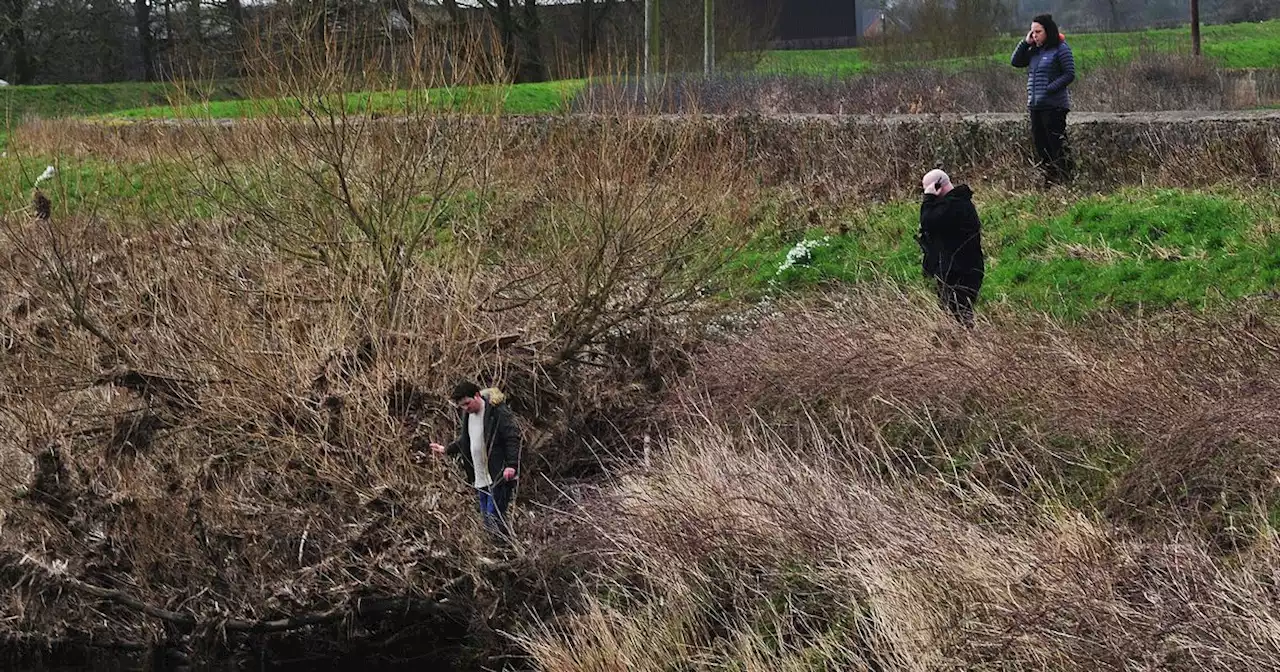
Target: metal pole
{"type": "Point", "coordinates": [651, 43]}
{"type": "Point", "coordinates": [708, 37]}
{"type": "Point", "coordinates": [1195, 27]}
{"type": "Point", "coordinates": [648, 28]}
{"type": "Point", "coordinates": [656, 36]}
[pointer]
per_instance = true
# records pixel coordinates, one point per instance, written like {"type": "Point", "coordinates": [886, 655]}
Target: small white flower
{"type": "Point", "coordinates": [802, 253]}
{"type": "Point", "coordinates": [47, 174]}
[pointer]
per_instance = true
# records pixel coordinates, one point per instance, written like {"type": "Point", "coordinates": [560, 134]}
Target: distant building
{"type": "Point", "coordinates": [874, 23]}
{"type": "Point", "coordinates": [815, 24]}
{"type": "Point", "coordinates": [877, 23]}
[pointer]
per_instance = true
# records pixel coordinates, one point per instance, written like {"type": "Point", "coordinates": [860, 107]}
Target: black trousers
{"type": "Point", "coordinates": [1049, 131]}
{"type": "Point", "coordinates": [958, 293]}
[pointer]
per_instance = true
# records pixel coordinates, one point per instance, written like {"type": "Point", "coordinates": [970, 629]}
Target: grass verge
{"type": "Point", "coordinates": [1136, 249]}
{"type": "Point", "coordinates": [68, 100]}
{"type": "Point", "coordinates": [1237, 45]}
{"type": "Point", "coordinates": [536, 98]}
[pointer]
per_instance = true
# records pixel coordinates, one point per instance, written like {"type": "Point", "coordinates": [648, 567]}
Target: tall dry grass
{"type": "Point", "coordinates": [848, 483]}
{"type": "Point", "coordinates": [856, 483]}
{"type": "Point", "coordinates": [769, 551]}
{"type": "Point", "coordinates": [1152, 421]}
{"type": "Point", "coordinates": [224, 431]}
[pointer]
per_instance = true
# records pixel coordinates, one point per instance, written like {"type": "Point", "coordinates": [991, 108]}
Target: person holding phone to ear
{"type": "Point", "coordinates": [1051, 68]}
{"type": "Point", "coordinates": [950, 240]}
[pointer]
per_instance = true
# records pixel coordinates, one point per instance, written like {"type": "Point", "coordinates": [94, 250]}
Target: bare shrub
{"type": "Point", "coordinates": [1157, 82]}
{"type": "Point", "coordinates": [331, 183]}
{"type": "Point", "coordinates": [931, 29]}
{"type": "Point", "coordinates": [627, 184]}
{"type": "Point", "coordinates": [218, 398]}
{"type": "Point", "coordinates": [235, 463]}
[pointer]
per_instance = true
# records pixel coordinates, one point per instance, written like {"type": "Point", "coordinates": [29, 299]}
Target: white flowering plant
{"type": "Point", "coordinates": [47, 175]}
{"type": "Point", "coordinates": [802, 253]}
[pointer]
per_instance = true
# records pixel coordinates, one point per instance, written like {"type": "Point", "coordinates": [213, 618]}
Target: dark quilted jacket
{"type": "Point", "coordinates": [1049, 71]}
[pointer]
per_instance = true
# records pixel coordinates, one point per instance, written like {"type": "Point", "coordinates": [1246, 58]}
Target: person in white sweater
{"type": "Point", "coordinates": [488, 447]}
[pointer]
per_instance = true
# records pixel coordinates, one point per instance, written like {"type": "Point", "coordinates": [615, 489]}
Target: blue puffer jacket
{"type": "Point", "coordinates": [1049, 71]}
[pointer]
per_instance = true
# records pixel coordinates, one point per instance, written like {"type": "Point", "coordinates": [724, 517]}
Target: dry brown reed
{"type": "Point", "coordinates": [773, 552]}
{"type": "Point", "coordinates": [1154, 421]}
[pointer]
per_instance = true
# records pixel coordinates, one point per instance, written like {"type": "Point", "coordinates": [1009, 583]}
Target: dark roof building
{"type": "Point", "coordinates": [816, 24]}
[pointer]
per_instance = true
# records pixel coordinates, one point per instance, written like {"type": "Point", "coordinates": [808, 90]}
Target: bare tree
{"type": "Point", "coordinates": [519, 29]}
{"type": "Point", "coordinates": [1109, 9]}
{"type": "Point", "coordinates": [15, 39]}
{"type": "Point", "coordinates": [146, 38]}
{"type": "Point", "coordinates": [592, 15]}
{"type": "Point", "coordinates": [929, 29]}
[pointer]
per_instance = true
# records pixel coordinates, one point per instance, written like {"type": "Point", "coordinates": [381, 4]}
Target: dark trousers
{"type": "Point", "coordinates": [957, 294]}
{"type": "Point", "coordinates": [494, 501]}
{"type": "Point", "coordinates": [1049, 130]}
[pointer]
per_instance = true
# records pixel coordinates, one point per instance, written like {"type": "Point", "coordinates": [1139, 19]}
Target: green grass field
{"type": "Point", "coordinates": [69, 100]}
{"type": "Point", "coordinates": [1059, 253]}
{"type": "Point", "coordinates": [538, 98]}
{"type": "Point", "coordinates": [1135, 249]}
{"type": "Point", "coordinates": [1247, 45]}
{"type": "Point", "coordinates": [1240, 45]}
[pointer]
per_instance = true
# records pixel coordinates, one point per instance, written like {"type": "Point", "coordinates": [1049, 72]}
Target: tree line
{"type": "Point", "coordinates": [91, 41]}
{"type": "Point", "coordinates": [62, 41]}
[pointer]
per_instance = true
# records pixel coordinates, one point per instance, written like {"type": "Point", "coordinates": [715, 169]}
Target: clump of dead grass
{"type": "Point", "coordinates": [777, 552]}
{"type": "Point", "coordinates": [1136, 417]}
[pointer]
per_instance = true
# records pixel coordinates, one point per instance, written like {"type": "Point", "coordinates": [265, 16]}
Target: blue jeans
{"type": "Point", "coordinates": [493, 503]}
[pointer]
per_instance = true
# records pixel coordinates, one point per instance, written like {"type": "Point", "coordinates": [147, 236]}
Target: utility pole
{"type": "Point", "coordinates": [708, 38]}
{"type": "Point", "coordinates": [857, 25]}
{"type": "Point", "coordinates": [651, 44]}
{"type": "Point", "coordinates": [1195, 27]}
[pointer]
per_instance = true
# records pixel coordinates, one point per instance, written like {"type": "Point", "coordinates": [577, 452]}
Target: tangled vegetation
{"type": "Point", "coordinates": [225, 348]}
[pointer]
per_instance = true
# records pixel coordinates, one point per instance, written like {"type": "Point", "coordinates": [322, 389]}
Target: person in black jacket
{"type": "Point", "coordinates": [951, 244]}
{"type": "Point", "coordinates": [489, 447]}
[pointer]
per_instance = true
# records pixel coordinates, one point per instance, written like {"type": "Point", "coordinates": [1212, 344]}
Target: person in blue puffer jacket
{"type": "Point", "coordinates": [1051, 68]}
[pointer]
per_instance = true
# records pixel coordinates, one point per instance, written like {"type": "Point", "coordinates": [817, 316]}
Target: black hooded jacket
{"type": "Point", "coordinates": [951, 235]}
{"type": "Point", "coordinates": [501, 438]}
